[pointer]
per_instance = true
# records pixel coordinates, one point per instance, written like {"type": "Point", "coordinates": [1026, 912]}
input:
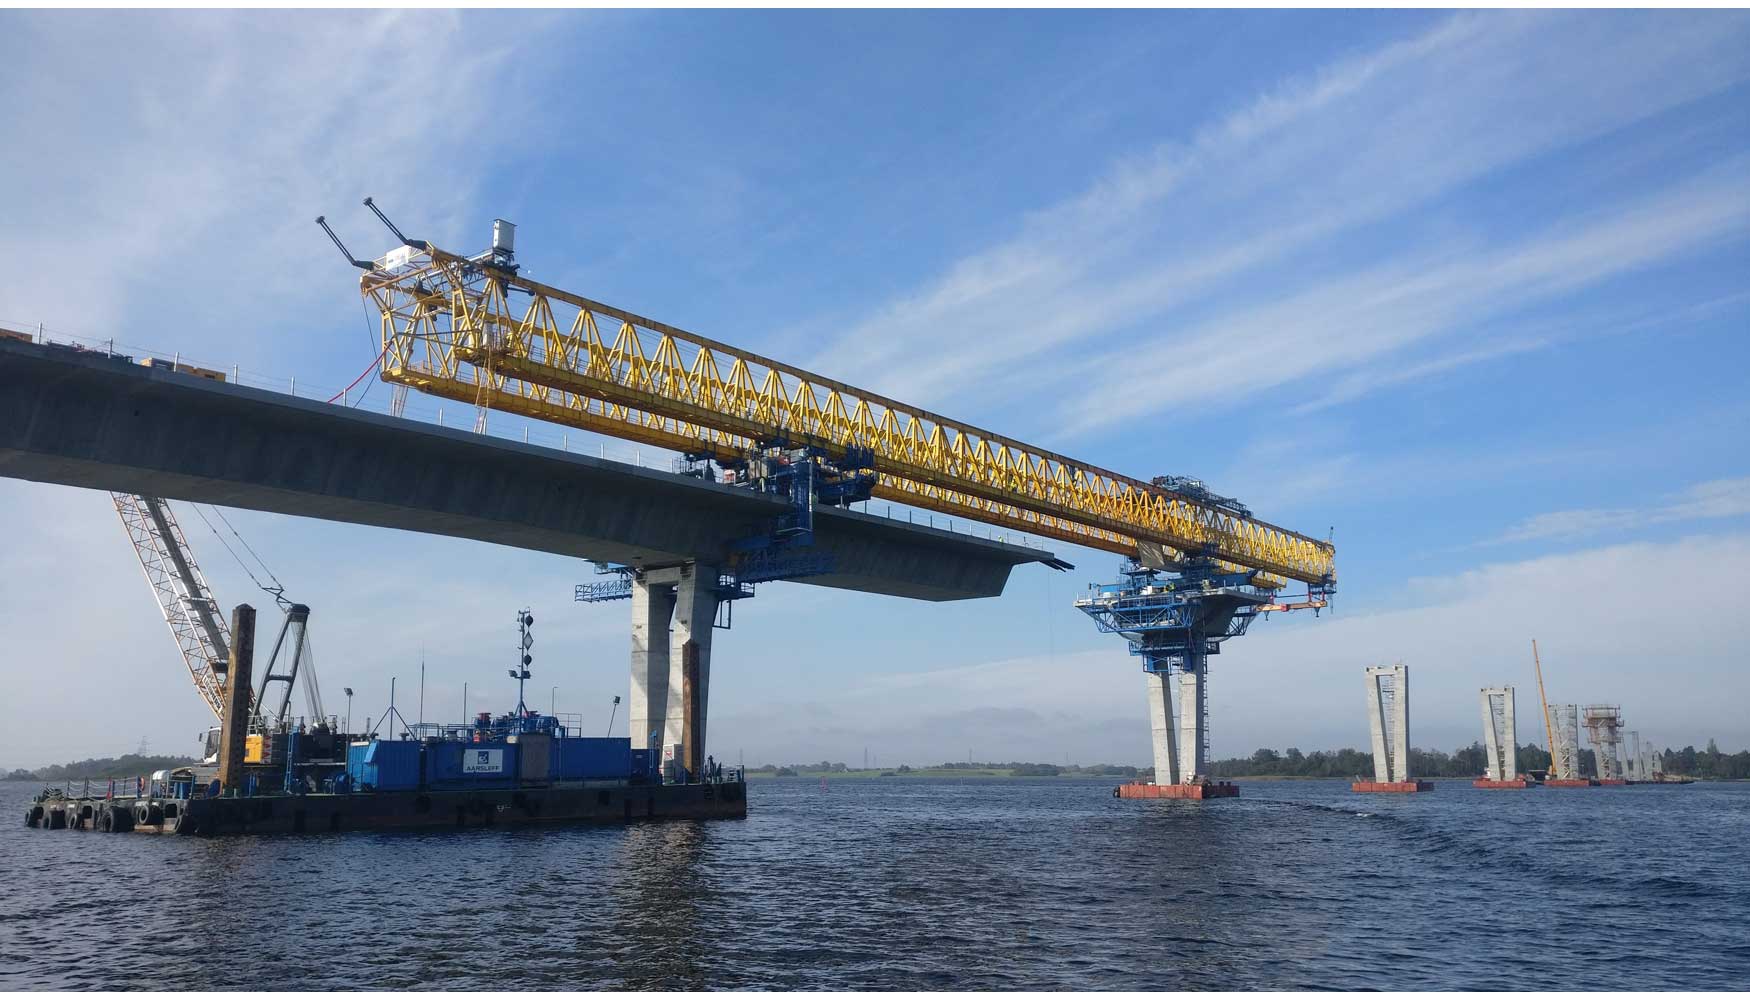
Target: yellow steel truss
{"type": "Point", "coordinates": [449, 330]}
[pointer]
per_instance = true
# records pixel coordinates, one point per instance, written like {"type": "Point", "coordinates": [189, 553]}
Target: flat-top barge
{"type": "Point", "coordinates": [513, 769]}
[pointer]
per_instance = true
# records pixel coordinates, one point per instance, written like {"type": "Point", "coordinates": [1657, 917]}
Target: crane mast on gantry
{"type": "Point", "coordinates": [476, 330]}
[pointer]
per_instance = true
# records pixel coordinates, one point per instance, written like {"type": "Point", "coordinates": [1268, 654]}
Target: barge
{"type": "Point", "coordinates": [519, 768]}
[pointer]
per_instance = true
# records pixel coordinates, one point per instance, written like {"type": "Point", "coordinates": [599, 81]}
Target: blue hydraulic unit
{"type": "Point", "coordinates": [781, 549]}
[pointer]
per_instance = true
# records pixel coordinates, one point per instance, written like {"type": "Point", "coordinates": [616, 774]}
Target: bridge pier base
{"type": "Point", "coordinates": [674, 609]}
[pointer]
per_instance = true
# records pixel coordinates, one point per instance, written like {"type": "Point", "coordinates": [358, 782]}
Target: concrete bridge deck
{"type": "Point", "coordinates": [79, 418]}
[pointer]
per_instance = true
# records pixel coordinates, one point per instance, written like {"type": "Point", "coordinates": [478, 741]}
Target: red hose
{"type": "Point", "coordinates": [374, 363]}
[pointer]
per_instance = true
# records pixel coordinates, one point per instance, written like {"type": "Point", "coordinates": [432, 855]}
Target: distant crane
{"type": "Point", "coordinates": [1549, 729]}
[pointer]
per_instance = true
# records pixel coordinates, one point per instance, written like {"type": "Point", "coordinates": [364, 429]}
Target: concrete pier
{"type": "Point", "coordinates": [1604, 732]}
{"type": "Point", "coordinates": [652, 607]}
{"type": "Point", "coordinates": [1388, 719]}
{"type": "Point", "coordinates": [1181, 753]}
{"type": "Point", "coordinates": [1565, 759]}
{"type": "Point", "coordinates": [1500, 741]}
{"type": "Point", "coordinates": [1161, 725]}
{"type": "Point", "coordinates": [674, 609]}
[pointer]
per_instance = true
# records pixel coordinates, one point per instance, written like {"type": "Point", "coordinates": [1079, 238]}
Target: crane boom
{"type": "Point", "coordinates": [183, 597]}
{"type": "Point", "coordinates": [1549, 729]}
{"type": "Point", "coordinates": [448, 330]}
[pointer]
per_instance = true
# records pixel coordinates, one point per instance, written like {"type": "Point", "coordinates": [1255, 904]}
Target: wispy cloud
{"type": "Point", "coordinates": [1224, 265]}
{"type": "Point", "coordinates": [182, 157]}
{"type": "Point", "coordinates": [1296, 680]}
{"type": "Point", "coordinates": [1719, 498]}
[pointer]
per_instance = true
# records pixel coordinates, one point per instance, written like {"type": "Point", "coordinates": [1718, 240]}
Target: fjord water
{"type": "Point", "coordinates": [921, 883]}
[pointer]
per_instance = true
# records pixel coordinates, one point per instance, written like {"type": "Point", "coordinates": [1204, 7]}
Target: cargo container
{"type": "Point", "coordinates": [384, 765]}
{"type": "Point", "coordinates": [487, 764]}
{"type": "Point", "coordinates": [585, 758]}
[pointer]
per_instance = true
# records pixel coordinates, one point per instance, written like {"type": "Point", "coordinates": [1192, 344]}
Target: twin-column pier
{"type": "Point", "coordinates": [673, 611]}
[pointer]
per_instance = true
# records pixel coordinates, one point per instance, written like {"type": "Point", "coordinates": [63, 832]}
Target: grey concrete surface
{"type": "Point", "coordinates": [80, 419]}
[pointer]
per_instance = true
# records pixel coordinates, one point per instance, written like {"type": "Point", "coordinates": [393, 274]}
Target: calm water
{"type": "Point", "coordinates": [924, 884]}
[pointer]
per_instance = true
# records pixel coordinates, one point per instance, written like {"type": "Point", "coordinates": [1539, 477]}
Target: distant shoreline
{"type": "Point", "coordinates": [962, 773]}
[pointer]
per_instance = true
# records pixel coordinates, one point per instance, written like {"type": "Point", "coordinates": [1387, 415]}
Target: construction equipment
{"type": "Point", "coordinates": [198, 626]}
{"type": "Point", "coordinates": [448, 329]}
{"type": "Point", "coordinates": [1199, 567]}
{"type": "Point", "coordinates": [1549, 728]}
{"type": "Point", "coordinates": [181, 589]}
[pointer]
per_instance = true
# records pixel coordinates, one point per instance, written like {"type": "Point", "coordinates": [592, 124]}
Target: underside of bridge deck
{"type": "Point", "coordinates": [79, 418]}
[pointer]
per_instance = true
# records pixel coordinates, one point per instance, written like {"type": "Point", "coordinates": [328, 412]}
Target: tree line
{"type": "Point", "coordinates": [128, 765]}
{"type": "Point", "coordinates": [1466, 762]}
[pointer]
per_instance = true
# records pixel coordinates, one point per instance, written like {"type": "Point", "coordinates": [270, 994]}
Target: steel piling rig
{"type": "Point", "coordinates": [449, 329]}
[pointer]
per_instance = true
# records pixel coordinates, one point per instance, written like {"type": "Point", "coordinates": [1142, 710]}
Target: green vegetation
{"type": "Point", "coordinates": [1466, 762]}
{"type": "Point", "coordinates": [950, 769]}
{"type": "Point", "coordinates": [129, 765]}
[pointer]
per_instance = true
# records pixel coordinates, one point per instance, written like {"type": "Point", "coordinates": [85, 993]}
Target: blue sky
{"type": "Point", "coordinates": [1470, 291]}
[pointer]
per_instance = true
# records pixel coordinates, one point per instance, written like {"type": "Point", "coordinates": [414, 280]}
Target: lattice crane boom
{"type": "Point", "coordinates": [183, 597]}
{"type": "Point", "coordinates": [449, 329]}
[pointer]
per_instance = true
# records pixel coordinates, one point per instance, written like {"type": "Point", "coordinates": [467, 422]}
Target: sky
{"type": "Point", "coordinates": [1469, 293]}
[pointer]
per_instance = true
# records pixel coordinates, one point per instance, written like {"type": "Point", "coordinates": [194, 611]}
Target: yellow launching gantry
{"type": "Point", "coordinates": [450, 329]}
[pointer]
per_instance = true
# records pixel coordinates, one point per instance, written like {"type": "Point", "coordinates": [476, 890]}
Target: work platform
{"type": "Point", "coordinates": [1392, 786]}
{"type": "Point", "coordinates": [1199, 790]}
{"type": "Point", "coordinates": [77, 417]}
{"type": "Point", "coordinates": [1503, 783]}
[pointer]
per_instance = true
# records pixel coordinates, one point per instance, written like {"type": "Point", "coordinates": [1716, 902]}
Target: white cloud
{"type": "Point", "coordinates": [164, 169]}
{"type": "Point", "coordinates": [1164, 239]}
{"type": "Point", "coordinates": [1383, 311]}
{"type": "Point", "coordinates": [1719, 498]}
{"type": "Point", "coordinates": [1297, 680]}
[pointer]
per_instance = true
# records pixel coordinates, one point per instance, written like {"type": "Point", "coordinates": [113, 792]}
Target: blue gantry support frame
{"type": "Point", "coordinates": [783, 548]}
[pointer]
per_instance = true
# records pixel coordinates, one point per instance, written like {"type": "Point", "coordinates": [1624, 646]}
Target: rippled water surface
{"type": "Point", "coordinates": [903, 883]}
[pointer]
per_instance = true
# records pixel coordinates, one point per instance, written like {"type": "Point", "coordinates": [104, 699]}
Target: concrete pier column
{"type": "Point", "coordinates": [695, 613]}
{"type": "Point", "coordinates": [1388, 717]}
{"type": "Point", "coordinates": [1500, 738]}
{"type": "Point", "coordinates": [1193, 718]}
{"type": "Point", "coordinates": [1160, 718]}
{"type": "Point", "coordinates": [652, 607]}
